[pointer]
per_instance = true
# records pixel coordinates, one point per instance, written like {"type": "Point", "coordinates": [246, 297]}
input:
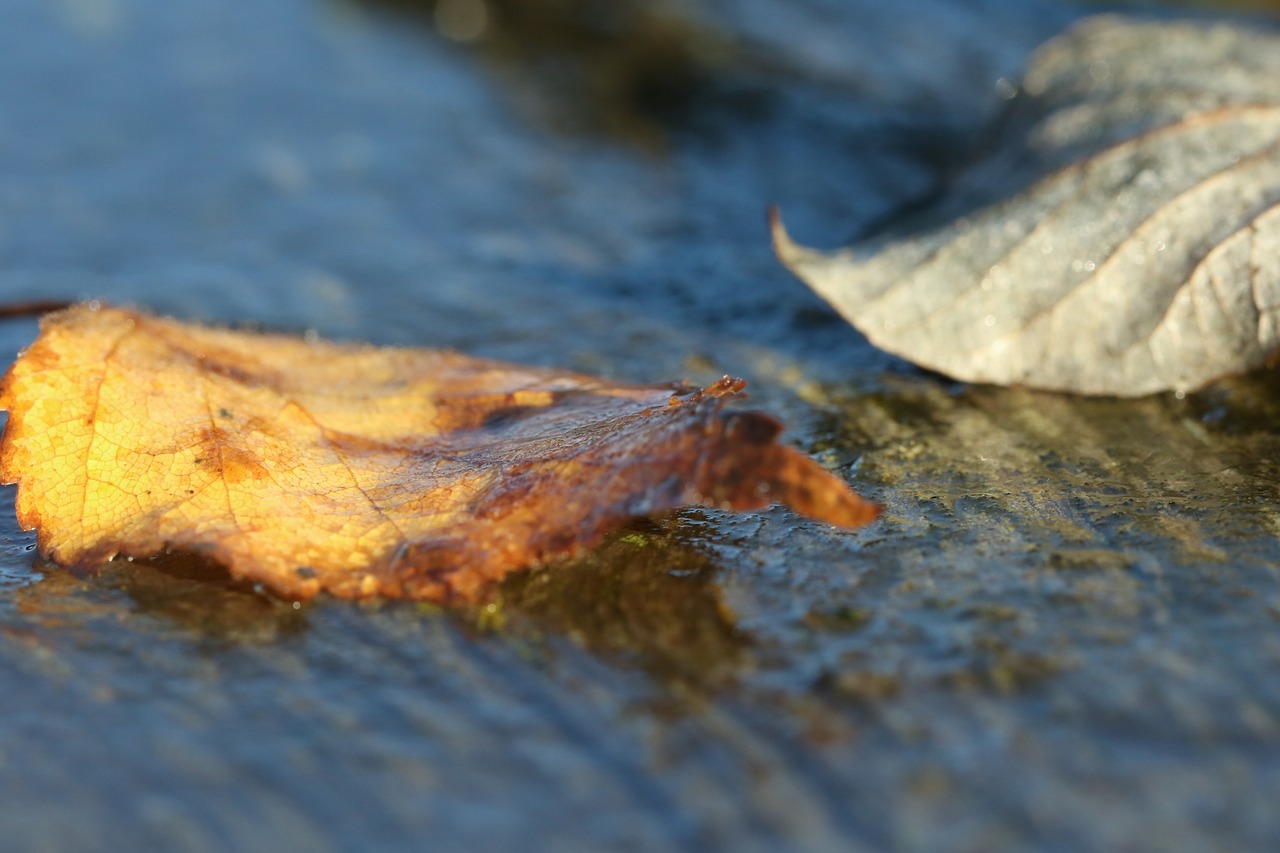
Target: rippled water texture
{"type": "Point", "coordinates": [1063, 634]}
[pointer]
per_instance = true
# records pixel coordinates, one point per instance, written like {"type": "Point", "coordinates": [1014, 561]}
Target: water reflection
{"type": "Point", "coordinates": [185, 592]}
{"type": "Point", "coordinates": [648, 596]}
{"type": "Point", "coordinates": [1047, 527]}
{"type": "Point", "coordinates": [1205, 450]}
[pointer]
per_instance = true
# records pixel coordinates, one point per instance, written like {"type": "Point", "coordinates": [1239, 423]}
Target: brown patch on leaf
{"type": "Point", "coordinates": [357, 470]}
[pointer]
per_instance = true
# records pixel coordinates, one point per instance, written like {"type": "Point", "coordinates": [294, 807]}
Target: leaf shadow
{"type": "Point", "coordinates": [186, 592]}
{"type": "Point", "coordinates": [647, 598]}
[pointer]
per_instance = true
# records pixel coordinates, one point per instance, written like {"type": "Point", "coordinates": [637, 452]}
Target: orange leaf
{"type": "Point", "coordinates": [358, 470]}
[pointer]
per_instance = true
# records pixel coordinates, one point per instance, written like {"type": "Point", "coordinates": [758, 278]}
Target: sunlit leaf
{"type": "Point", "coordinates": [1121, 236]}
{"type": "Point", "coordinates": [359, 470]}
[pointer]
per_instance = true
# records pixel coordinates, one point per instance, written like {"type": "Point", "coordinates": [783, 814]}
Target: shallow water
{"type": "Point", "coordinates": [1062, 635]}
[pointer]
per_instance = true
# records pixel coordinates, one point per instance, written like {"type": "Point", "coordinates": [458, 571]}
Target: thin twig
{"type": "Point", "coordinates": [32, 308]}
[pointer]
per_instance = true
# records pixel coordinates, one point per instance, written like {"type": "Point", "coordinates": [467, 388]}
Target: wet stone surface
{"type": "Point", "coordinates": [1064, 634]}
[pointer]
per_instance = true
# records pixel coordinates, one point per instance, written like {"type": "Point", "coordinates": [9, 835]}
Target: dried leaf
{"type": "Point", "coordinates": [362, 471]}
{"type": "Point", "coordinates": [1122, 236]}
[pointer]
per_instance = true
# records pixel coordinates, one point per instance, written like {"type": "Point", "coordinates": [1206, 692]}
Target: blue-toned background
{"type": "Point", "coordinates": [1064, 635]}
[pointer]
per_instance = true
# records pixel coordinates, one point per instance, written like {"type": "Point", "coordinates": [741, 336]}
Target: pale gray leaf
{"type": "Point", "coordinates": [1120, 236]}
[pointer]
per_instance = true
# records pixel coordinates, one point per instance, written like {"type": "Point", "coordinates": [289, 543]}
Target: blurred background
{"type": "Point", "coordinates": [1058, 638]}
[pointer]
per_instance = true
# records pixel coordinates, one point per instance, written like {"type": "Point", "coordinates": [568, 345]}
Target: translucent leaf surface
{"type": "Point", "coordinates": [359, 470]}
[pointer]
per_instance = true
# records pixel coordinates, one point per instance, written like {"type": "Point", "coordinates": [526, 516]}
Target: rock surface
{"type": "Point", "coordinates": [1063, 634]}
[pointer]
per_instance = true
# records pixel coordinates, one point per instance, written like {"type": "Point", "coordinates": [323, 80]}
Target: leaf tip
{"type": "Point", "coordinates": [809, 265]}
{"type": "Point", "coordinates": [783, 246]}
{"type": "Point", "coordinates": [808, 488]}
